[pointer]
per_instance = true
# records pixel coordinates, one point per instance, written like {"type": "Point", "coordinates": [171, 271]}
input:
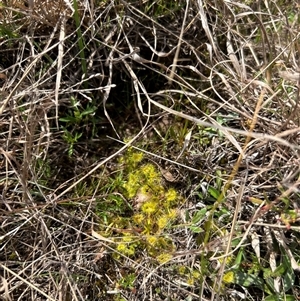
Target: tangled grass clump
{"type": "Point", "coordinates": [209, 91]}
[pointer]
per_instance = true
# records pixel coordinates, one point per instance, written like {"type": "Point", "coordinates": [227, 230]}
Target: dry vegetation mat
{"type": "Point", "coordinates": [149, 150]}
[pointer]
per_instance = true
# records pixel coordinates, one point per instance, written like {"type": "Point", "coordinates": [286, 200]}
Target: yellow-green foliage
{"type": "Point", "coordinates": [190, 276]}
{"type": "Point", "coordinates": [153, 210]}
{"type": "Point", "coordinates": [228, 277]}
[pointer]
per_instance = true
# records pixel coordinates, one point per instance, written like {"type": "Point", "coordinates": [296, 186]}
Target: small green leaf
{"type": "Point", "coordinates": [247, 280]}
{"type": "Point", "coordinates": [88, 111]}
{"type": "Point", "coordinates": [199, 216]}
{"type": "Point", "coordinates": [270, 285]}
{"type": "Point", "coordinates": [219, 180]}
{"type": "Point", "coordinates": [288, 281]}
{"type": "Point", "coordinates": [272, 298]}
{"type": "Point", "coordinates": [280, 297]}
{"type": "Point", "coordinates": [279, 271]}
{"type": "Point", "coordinates": [77, 115]}
{"type": "Point", "coordinates": [196, 229]}
{"type": "Point", "coordinates": [239, 257]}
{"type": "Point", "coordinates": [213, 192]}
{"type": "Point", "coordinates": [69, 119]}
{"type": "Point", "coordinates": [288, 298]}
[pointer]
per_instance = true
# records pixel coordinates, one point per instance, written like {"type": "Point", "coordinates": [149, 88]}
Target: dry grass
{"type": "Point", "coordinates": [209, 92]}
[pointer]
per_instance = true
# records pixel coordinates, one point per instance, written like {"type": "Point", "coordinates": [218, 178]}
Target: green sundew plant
{"type": "Point", "coordinates": [189, 275]}
{"type": "Point", "coordinates": [154, 207]}
{"type": "Point", "coordinates": [152, 210]}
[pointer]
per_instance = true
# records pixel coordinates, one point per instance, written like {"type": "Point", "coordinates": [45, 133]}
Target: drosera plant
{"type": "Point", "coordinates": [146, 209]}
